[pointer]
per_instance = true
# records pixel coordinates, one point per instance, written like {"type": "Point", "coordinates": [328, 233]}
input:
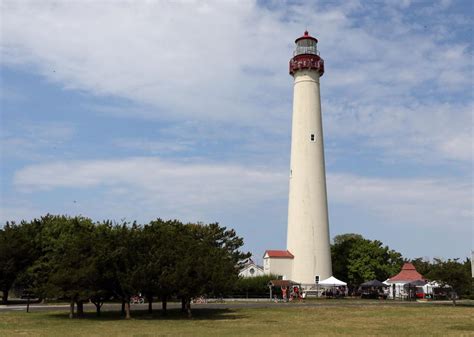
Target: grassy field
{"type": "Point", "coordinates": [281, 320]}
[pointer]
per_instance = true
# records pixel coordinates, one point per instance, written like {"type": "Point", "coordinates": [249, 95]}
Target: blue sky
{"type": "Point", "coordinates": [137, 110]}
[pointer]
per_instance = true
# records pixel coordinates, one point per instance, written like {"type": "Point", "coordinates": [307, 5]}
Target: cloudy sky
{"type": "Point", "coordinates": [143, 109]}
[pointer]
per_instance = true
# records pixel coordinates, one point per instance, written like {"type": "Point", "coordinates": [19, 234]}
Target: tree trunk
{"type": "Point", "coordinates": [80, 309]}
{"type": "Point", "coordinates": [71, 309]}
{"type": "Point", "coordinates": [98, 306]}
{"type": "Point", "coordinates": [188, 308]}
{"type": "Point", "coordinates": [127, 310]}
{"type": "Point", "coordinates": [123, 308]}
{"type": "Point", "coordinates": [5, 296]}
{"type": "Point", "coordinates": [453, 297]}
{"type": "Point", "coordinates": [150, 304]}
{"type": "Point", "coordinates": [183, 304]}
{"type": "Point", "coordinates": [164, 302]}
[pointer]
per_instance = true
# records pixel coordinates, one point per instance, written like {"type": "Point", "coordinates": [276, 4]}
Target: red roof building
{"type": "Point", "coordinates": [278, 262]}
{"type": "Point", "coordinates": [282, 254]}
{"type": "Point", "coordinates": [407, 274]}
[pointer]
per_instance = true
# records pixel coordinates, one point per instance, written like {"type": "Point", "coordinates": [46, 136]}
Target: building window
{"type": "Point", "coordinates": [316, 279]}
{"type": "Point", "coordinates": [252, 271]}
{"type": "Point", "coordinates": [312, 137]}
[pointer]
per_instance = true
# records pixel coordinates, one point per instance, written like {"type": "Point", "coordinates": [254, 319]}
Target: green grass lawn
{"type": "Point", "coordinates": [280, 320]}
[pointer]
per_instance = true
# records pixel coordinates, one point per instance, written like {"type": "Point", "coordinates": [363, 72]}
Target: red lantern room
{"type": "Point", "coordinates": [306, 55]}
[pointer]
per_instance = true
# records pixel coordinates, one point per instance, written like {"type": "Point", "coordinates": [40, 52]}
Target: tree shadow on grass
{"type": "Point", "coordinates": [171, 315]}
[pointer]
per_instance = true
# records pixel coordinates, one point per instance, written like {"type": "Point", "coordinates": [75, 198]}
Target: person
{"type": "Point", "coordinates": [296, 290]}
{"type": "Point", "coordinates": [284, 291]}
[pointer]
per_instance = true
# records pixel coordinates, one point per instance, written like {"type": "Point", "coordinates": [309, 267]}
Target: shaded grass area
{"type": "Point", "coordinates": [412, 320]}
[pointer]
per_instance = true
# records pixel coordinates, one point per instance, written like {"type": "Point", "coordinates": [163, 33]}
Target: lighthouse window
{"type": "Point", "coordinates": [306, 46]}
{"type": "Point", "coordinates": [312, 137]}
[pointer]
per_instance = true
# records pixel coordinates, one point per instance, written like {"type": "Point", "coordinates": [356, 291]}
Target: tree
{"type": "Point", "coordinates": [342, 238]}
{"type": "Point", "coordinates": [254, 286]}
{"type": "Point", "coordinates": [75, 259]}
{"type": "Point", "coordinates": [340, 252]}
{"type": "Point", "coordinates": [223, 259]}
{"type": "Point", "coordinates": [67, 260]}
{"type": "Point", "coordinates": [357, 260]}
{"type": "Point", "coordinates": [454, 274]}
{"type": "Point", "coordinates": [16, 254]}
{"type": "Point", "coordinates": [101, 278]}
{"type": "Point", "coordinates": [155, 275]}
{"type": "Point", "coordinates": [208, 261]}
{"type": "Point", "coordinates": [422, 266]}
{"type": "Point", "coordinates": [121, 263]}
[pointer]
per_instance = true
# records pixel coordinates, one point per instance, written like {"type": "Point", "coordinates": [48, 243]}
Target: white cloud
{"type": "Point", "coordinates": [426, 203]}
{"type": "Point", "coordinates": [200, 189]}
{"type": "Point", "coordinates": [459, 147]}
{"type": "Point", "coordinates": [423, 132]}
{"type": "Point", "coordinates": [153, 53]}
{"type": "Point", "coordinates": [155, 184]}
{"type": "Point", "coordinates": [153, 147]}
{"type": "Point", "coordinates": [27, 140]}
{"type": "Point", "coordinates": [226, 62]}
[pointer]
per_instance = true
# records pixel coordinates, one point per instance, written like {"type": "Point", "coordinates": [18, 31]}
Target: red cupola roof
{"type": "Point", "coordinates": [408, 273]}
{"type": "Point", "coordinates": [306, 36]}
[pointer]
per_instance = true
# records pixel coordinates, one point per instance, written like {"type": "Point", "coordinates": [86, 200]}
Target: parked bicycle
{"type": "Point", "coordinates": [137, 299]}
{"type": "Point", "coordinates": [200, 300]}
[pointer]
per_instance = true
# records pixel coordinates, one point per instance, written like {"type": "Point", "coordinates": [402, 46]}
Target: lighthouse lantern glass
{"type": "Point", "coordinates": [306, 46]}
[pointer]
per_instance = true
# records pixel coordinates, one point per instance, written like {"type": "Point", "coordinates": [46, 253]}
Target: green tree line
{"type": "Point", "coordinates": [76, 259]}
{"type": "Point", "coordinates": [357, 260]}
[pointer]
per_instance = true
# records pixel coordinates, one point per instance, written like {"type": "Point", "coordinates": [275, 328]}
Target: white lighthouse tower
{"type": "Point", "coordinates": [308, 226]}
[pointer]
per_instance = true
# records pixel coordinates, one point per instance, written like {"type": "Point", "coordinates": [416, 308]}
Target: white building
{"type": "Point", "coordinates": [278, 262]}
{"type": "Point", "coordinates": [251, 269]}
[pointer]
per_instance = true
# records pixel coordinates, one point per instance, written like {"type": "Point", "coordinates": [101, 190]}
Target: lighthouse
{"type": "Point", "coordinates": [308, 225]}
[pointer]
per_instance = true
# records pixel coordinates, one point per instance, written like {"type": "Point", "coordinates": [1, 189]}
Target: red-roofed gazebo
{"type": "Point", "coordinates": [396, 283]}
{"type": "Point", "coordinates": [408, 274]}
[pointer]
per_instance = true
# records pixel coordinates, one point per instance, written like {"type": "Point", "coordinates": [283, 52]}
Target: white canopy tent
{"type": "Point", "coordinates": [429, 288]}
{"type": "Point", "coordinates": [332, 282]}
{"type": "Point", "coordinates": [331, 285]}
